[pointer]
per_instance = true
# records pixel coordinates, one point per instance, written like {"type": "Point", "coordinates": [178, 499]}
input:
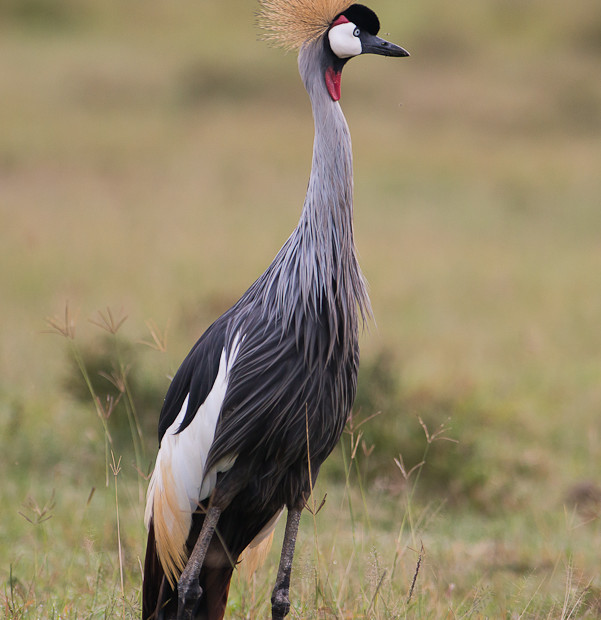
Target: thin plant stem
{"type": "Point", "coordinates": [108, 440]}
{"type": "Point", "coordinates": [407, 519]}
{"type": "Point", "coordinates": [347, 473]}
{"type": "Point", "coordinates": [313, 504]}
{"type": "Point", "coordinates": [360, 483]}
{"type": "Point", "coordinates": [132, 417]}
{"type": "Point", "coordinates": [116, 468]}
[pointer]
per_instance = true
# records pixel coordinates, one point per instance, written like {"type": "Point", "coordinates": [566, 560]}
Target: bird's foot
{"type": "Point", "coordinates": [188, 596]}
{"type": "Point", "coordinates": [280, 603]}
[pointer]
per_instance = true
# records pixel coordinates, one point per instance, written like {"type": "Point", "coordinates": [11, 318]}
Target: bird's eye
{"type": "Point", "coordinates": [356, 32]}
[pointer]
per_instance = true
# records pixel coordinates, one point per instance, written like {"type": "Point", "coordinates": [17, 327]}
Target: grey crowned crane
{"type": "Point", "coordinates": [262, 398]}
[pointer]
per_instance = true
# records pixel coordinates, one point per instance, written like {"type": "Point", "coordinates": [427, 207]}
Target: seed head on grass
{"type": "Point", "coordinates": [108, 321]}
{"type": "Point", "coordinates": [404, 472]}
{"type": "Point", "coordinates": [63, 327]}
{"type": "Point", "coordinates": [117, 377]}
{"type": "Point", "coordinates": [438, 435]}
{"type": "Point", "coordinates": [38, 514]}
{"type": "Point", "coordinates": [415, 575]}
{"type": "Point", "coordinates": [106, 409]}
{"type": "Point", "coordinates": [159, 338]}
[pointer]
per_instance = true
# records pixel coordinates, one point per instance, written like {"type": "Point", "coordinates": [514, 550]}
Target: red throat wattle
{"type": "Point", "coordinates": [332, 76]}
{"type": "Point", "coordinates": [333, 82]}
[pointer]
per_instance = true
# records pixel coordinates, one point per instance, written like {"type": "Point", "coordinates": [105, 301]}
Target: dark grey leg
{"type": "Point", "coordinates": [280, 600]}
{"type": "Point", "coordinates": [188, 588]}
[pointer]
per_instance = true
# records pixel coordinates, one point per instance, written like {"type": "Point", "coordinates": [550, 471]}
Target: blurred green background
{"type": "Point", "coordinates": [154, 157]}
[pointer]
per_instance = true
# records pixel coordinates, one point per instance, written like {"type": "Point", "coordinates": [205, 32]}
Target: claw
{"type": "Point", "coordinates": [280, 603]}
{"type": "Point", "coordinates": [188, 595]}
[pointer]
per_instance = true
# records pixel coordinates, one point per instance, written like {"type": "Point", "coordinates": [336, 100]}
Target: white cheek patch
{"type": "Point", "coordinates": [343, 42]}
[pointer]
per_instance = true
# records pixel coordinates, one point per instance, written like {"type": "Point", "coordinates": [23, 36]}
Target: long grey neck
{"type": "Point", "coordinates": [328, 208]}
{"type": "Point", "coordinates": [316, 270]}
{"type": "Point", "coordinates": [330, 190]}
{"type": "Point", "coordinates": [326, 222]}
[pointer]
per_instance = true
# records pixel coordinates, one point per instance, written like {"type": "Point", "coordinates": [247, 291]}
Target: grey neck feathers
{"type": "Point", "coordinates": [317, 269]}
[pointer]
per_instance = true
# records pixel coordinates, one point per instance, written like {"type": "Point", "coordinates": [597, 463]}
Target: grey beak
{"type": "Point", "coordinates": [375, 45]}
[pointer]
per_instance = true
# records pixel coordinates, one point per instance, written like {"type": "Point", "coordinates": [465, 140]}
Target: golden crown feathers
{"type": "Point", "coordinates": [291, 23]}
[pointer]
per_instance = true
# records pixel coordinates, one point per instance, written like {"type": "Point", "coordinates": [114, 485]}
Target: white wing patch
{"type": "Point", "coordinates": [179, 480]}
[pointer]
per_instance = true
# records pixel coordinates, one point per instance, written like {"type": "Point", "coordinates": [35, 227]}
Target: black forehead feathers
{"type": "Point", "coordinates": [363, 17]}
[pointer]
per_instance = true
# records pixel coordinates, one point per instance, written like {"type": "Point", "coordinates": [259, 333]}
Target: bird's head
{"type": "Point", "coordinates": [353, 32]}
{"type": "Point", "coordinates": [343, 29]}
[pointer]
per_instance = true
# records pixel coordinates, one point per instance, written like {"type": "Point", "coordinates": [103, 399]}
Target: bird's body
{"type": "Point", "coordinates": [263, 397]}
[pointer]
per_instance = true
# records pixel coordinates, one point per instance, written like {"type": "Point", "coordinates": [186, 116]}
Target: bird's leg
{"type": "Point", "coordinates": [188, 587]}
{"type": "Point", "coordinates": [280, 600]}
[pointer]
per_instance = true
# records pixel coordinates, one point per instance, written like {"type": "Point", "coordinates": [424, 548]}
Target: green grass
{"type": "Point", "coordinates": [154, 157]}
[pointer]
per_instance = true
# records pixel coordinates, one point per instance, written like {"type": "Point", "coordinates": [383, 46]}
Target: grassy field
{"type": "Point", "coordinates": [154, 157]}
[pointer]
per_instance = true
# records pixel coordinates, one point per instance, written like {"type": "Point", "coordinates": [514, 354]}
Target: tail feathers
{"type": "Point", "coordinates": [159, 599]}
{"type": "Point", "coordinates": [168, 507]}
{"type": "Point", "coordinates": [253, 558]}
{"type": "Point", "coordinates": [256, 553]}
